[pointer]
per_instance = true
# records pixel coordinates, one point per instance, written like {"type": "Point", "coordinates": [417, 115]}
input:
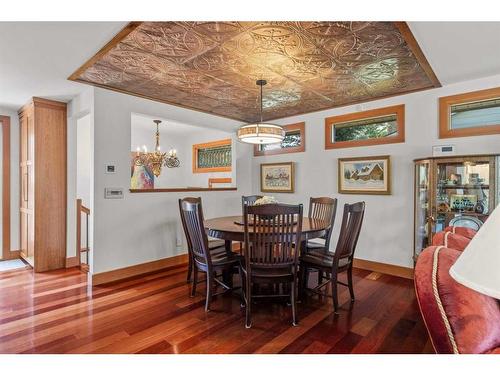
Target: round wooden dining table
{"type": "Point", "coordinates": [230, 228]}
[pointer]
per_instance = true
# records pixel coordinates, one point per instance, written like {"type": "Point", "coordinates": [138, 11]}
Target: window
{"type": "Point", "coordinates": [373, 127]}
{"type": "Point", "coordinates": [212, 157]}
{"type": "Point", "coordinates": [470, 114]}
{"type": "Point", "coordinates": [294, 141]}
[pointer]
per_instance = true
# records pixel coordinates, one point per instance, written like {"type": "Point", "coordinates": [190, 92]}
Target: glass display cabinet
{"type": "Point", "coordinates": [459, 190]}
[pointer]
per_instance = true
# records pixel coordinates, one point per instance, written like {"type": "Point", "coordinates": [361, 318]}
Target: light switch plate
{"type": "Point", "coordinates": [113, 193]}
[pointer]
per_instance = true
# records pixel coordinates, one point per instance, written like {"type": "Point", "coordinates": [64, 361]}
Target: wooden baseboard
{"type": "Point", "coordinates": [72, 262]}
{"type": "Point", "coordinates": [389, 269]}
{"type": "Point", "coordinates": [138, 269]}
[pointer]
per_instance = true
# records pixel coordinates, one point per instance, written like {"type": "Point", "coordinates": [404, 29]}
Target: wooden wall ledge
{"type": "Point", "coordinates": [172, 190]}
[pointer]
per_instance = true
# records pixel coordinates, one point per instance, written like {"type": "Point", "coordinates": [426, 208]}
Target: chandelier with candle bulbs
{"type": "Point", "coordinates": [157, 159]}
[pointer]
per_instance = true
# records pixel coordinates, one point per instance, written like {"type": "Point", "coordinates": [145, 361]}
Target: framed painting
{"type": "Point", "coordinates": [277, 177]}
{"type": "Point", "coordinates": [141, 177]}
{"type": "Point", "coordinates": [365, 175]}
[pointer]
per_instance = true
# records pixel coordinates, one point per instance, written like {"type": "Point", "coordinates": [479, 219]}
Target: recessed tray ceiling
{"type": "Point", "coordinates": [212, 66]}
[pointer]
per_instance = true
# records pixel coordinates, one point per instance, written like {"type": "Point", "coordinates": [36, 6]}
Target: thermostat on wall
{"type": "Point", "coordinates": [110, 168]}
{"type": "Point", "coordinates": [443, 150]}
{"type": "Point", "coordinates": [113, 193]}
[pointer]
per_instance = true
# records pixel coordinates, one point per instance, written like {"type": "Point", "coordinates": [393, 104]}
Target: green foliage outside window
{"type": "Point", "coordinates": [365, 129]}
{"type": "Point", "coordinates": [292, 139]}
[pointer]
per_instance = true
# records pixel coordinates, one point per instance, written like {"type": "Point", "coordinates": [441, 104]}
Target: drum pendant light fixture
{"type": "Point", "coordinates": [261, 133]}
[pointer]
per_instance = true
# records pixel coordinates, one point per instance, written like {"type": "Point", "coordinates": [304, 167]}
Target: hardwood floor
{"type": "Point", "coordinates": [52, 313]}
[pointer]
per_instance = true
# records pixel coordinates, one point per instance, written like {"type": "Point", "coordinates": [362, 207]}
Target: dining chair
{"type": "Point", "coordinates": [272, 244]}
{"type": "Point", "coordinates": [322, 208]}
{"type": "Point", "coordinates": [215, 246]}
{"type": "Point", "coordinates": [248, 200]}
{"type": "Point", "coordinates": [332, 264]}
{"type": "Point", "coordinates": [205, 259]}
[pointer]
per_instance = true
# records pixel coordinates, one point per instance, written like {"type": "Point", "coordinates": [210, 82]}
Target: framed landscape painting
{"type": "Point", "coordinates": [277, 177]}
{"type": "Point", "coordinates": [365, 175]}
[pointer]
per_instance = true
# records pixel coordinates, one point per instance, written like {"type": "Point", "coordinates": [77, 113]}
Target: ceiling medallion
{"type": "Point", "coordinates": [260, 132]}
{"type": "Point", "coordinates": [157, 159]}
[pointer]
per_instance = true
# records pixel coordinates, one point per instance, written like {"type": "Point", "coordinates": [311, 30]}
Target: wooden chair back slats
{"type": "Point", "coordinates": [352, 221]}
{"type": "Point", "coordinates": [192, 221]}
{"type": "Point", "coordinates": [249, 200]}
{"type": "Point", "coordinates": [324, 208]}
{"type": "Point", "coordinates": [272, 235]}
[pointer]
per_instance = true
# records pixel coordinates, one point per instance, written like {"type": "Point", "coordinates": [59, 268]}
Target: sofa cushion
{"type": "Point", "coordinates": [463, 231]}
{"type": "Point", "coordinates": [450, 240]}
{"type": "Point", "coordinates": [459, 319]}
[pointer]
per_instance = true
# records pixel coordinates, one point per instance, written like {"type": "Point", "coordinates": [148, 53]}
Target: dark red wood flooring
{"type": "Point", "coordinates": [54, 312]}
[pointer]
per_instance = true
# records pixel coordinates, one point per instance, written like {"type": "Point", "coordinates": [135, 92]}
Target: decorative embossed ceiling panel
{"type": "Point", "coordinates": [309, 66]}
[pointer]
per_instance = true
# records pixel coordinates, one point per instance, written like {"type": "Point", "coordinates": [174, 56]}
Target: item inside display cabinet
{"type": "Point", "coordinates": [463, 202]}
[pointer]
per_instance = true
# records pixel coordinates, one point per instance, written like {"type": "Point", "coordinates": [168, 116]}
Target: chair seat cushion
{"type": "Point", "coordinates": [213, 243]}
{"type": "Point", "coordinates": [220, 258]}
{"type": "Point", "coordinates": [321, 258]}
{"type": "Point", "coordinates": [316, 243]}
{"type": "Point", "coordinates": [280, 272]}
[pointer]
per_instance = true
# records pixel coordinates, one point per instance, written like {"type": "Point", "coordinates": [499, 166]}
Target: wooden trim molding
{"type": "Point", "coordinates": [179, 260]}
{"type": "Point", "coordinates": [138, 269]}
{"type": "Point", "coordinates": [131, 26]}
{"type": "Point", "coordinates": [176, 190]}
{"type": "Point", "coordinates": [212, 181]}
{"type": "Point", "coordinates": [6, 252]}
{"type": "Point", "coordinates": [445, 104]}
{"type": "Point", "coordinates": [301, 127]}
{"type": "Point", "coordinates": [388, 269]}
{"type": "Point", "coordinates": [398, 110]}
{"type": "Point", "coordinates": [198, 146]}
{"type": "Point", "coordinates": [412, 43]}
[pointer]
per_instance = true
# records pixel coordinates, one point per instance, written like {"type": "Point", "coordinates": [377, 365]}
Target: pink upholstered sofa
{"type": "Point", "coordinates": [458, 319]}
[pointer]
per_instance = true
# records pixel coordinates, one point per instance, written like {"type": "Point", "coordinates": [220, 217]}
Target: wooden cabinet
{"type": "Point", "coordinates": [460, 190]}
{"type": "Point", "coordinates": [42, 171]}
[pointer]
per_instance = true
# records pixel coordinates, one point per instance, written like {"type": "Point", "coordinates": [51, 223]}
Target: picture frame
{"type": "Point", "coordinates": [277, 177]}
{"type": "Point", "coordinates": [365, 175]}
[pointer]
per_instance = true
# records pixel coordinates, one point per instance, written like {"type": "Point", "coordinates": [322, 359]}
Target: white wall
{"type": "Point", "coordinates": [387, 234]}
{"type": "Point", "coordinates": [84, 167]}
{"type": "Point", "coordinates": [144, 227]}
{"type": "Point", "coordinates": [14, 177]}
{"type": "Point", "coordinates": [80, 107]}
{"type": "Point", "coordinates": [181, 137]}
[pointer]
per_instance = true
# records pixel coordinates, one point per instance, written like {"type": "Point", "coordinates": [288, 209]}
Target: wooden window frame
{"type": "Point", "coordinates": [398, 110]}
{"type": "Point", "coordinates": [301, 127]}
{"type": "Point", "coordinates": [198, 146]}
{"type": "Point", "coordinates": [445, 104]}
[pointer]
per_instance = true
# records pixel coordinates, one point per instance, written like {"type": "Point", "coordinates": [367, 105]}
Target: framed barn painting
{"type": "Point", "coordinates": [277, 177]}
{"type": "Point", "coordinates": [365, 175]}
